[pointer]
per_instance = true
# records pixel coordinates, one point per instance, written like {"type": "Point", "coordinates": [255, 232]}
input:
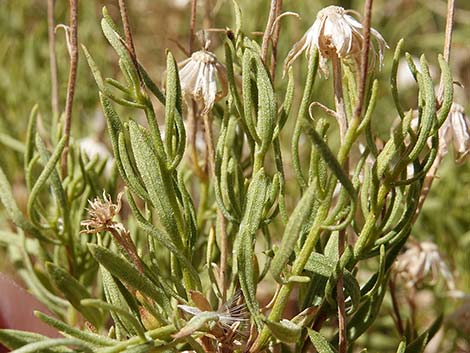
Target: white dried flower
{"type": "Point", "coordinates": [421, 261]}
{"type": "Point", "coordinates": [334, 32]}
{"type": "Point", "coordinates": [456, 129]}
{"type": "Point", "coordinates": [203, 78]}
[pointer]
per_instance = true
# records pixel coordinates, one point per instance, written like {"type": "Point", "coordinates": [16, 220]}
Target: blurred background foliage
{"type": "Point", "coordinates": [158, 25]}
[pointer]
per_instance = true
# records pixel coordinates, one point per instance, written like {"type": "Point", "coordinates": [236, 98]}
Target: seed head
{"type": "Point", "coordinates": [334, 32]}
{"type": "Point", "coordinates": [203, 78]}
{"type": "Point", "coordinates": [101, 214]}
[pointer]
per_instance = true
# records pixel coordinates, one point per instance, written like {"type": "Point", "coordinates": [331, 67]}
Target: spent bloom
{"type": "Point", "coordinates": [420, 261]}
{"type": "Point", "coordinates": [203, 78]}
{"type": "Point", "coordinates": [334, 32]}
{"type": "Point", "coordinates": [456, 129]}
{"type": "Point", "coordinates": [101, 214]}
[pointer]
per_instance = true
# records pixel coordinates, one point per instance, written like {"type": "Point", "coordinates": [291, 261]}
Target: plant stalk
{"type": "Point", "coordinates": [73, 36]}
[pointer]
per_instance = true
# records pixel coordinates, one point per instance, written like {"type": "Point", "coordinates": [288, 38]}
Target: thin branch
{"type": "Point", "coordinates": [129, 39]}
{"type": "Point", "coordinates": [449, 29]}
{"type": "Point", "coordinates": [73, 52]}
{"type": "Point", "coordinates": [127, 28]}
{"type": "Point", "coordinates": [366, 21]}
{"type": "Point", "coordinates": [275, 39]}
{"type": "Point", "coordinates": [192, 26]}
{"type": "Point", "coordinates": [52, 58]}
{"type": "Point", "coordinates": [268, 30]}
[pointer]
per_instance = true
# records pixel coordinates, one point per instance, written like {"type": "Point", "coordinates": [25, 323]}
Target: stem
{"type": "Point", "coordinates": [192, 126]}
{"type": "Point", "coordinates": [223, 255]}
{"type": "Point", "coordinates": [127, 28]}
{"type": "Point", "coordinates": [364, 57]}
{"type": "Point", "coordinates": [274, 41]}
{"type": "Point", "coordinates": [268, 30]}
{"type": "Point", "coordinates": [128, 35]}
{"type": "Point", "coordinates": [125, 241]}
{"type": "Point", "coordinates": [311, 240]}
{"type": "Point", "coordinates": [53, 59]}
{"type": "Point", "coordinates": [449, 29]}
{"type": "Point", "coordinates": [71, 83]}
{"type": "Point", "coordinates": [339, 98]}
{"type": "Point", "coordinates": [192, 26]}
{"type": "Point", "coordinates": [343, 126]}
{"type": "Point", "coordinates": [209, 137]}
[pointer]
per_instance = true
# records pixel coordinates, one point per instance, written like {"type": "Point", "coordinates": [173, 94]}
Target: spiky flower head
{"type": "Point", "coordinates": [101, 214]}
{"type": "Point", "coordinates": [203, 78]}
{"type": "Point", "coordinates": [334, 32]}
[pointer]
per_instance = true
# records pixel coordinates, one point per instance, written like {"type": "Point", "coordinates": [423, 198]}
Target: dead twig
{"type": "Point", "coordinates": [73, 52]}
{"type": "Point", "coordinates": [52, 58]}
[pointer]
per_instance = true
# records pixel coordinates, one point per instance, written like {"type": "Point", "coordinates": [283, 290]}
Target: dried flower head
{"type": "Point", "coordinates": [456, 129]}
{"type": "Point", "coordinates": [334, 32]}
{"type": "Point", "coordinates": [101, 214]}
{"type": "Point", "coordinates": [422, 261]}
{"type": "Point", "coordinates": [229, 323]}
{"type": "Point", "coordinates": [203, 78]}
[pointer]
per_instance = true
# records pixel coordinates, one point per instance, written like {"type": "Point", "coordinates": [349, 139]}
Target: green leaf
{"type": "Point", "coordinates": [30, 136]}
{"type": "Point", "coordinates": [74, 291]}
{"type": "Point", "coordinates": [320, 264]}
{"type": "Point", "coordinates": [267, 111]}
{"type": "Point", "coordinates": [89, 337]}
{"type": "Point", "coordinates": [448, 95]}
{"type": "Point", "coordinates": [393, 78]}
{"type": "Point", "coordinates": [248, 104]}
{"type": "Point", "coordinates": [244, 247]}
{"type": "Point", "coordinates": [163, 239]}
{"type": "Point", "coordinates": [156, 180]}
{"type": "Point", "coordinates": [54, 344]}
{"type": "Point", "coordinates": [285, 330]}
{"type": "Point", "coordinates": [401, 347]}
{"type": "Point", "coordinates": [319, 342]}
{"type": "Point", "coordinates": [14, 339]}
{"type": "Point", "coordinates": [131, 177]}
{"type": "Point", "coordinates": [292, 232]}
{"type": "Point", "coordinates": [14, 213]}
{"type": "Point", "coordinates": [428, 116]}
{"type": "Point", "coordinates": [196, 323]}
{"type": "Point", "coordinates": [117, 43]}
{"type": "Point", "coordinates": [123, 314]}
{"type": "Point", "coordinates": [126, 272]}
{"type": "Point", "coordinates": [418, 345]}
{"type": "Point", "coordinates": [114, 296]}
{"type": "Point", "coordinates": [45, 175]}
